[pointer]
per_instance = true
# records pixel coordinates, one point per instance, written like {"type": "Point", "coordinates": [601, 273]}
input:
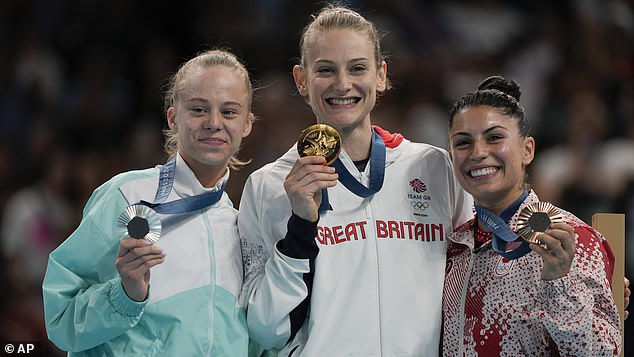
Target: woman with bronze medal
{"type": "Point", "coordinates": [352, 261]}
{"type": "Point", "coordinates": [154, 268]}
{"type": "Point", "coordinates": [524, 278]}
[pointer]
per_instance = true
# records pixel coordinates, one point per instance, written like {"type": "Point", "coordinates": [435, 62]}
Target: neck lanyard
{"type": "Point", "coordinates": [183, 205]}
{"type": "Point", "coordinates": [502, 234]}
{"type": "Point", "coordinates": [377, 174]}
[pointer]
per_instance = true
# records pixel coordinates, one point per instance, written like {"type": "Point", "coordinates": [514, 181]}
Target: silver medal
{"type": "Point", "coordinates": [140, 222]}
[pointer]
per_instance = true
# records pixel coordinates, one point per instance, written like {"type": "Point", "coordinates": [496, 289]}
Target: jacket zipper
{"type": "Point", "coordinates": [463, 300]}
{"type": "Point", "coordinates": [368, 215]}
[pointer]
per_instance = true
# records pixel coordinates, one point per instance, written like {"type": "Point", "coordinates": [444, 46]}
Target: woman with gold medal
{"type": "Point", "coordinates": [351, 262]}
{"type": "Point", "coordinates": [545, 291]}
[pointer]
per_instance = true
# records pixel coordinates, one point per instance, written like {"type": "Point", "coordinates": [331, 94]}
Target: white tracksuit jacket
{"type": "Point", "coordinates": [378, 276]}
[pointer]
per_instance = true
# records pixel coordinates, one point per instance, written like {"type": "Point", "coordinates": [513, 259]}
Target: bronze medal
{"type": "Point", "coordinates": [320, 140]}
{"type": "Point", "coordinates": [140, 222]}
{"type": "Point", "coordinates": [536, 218]}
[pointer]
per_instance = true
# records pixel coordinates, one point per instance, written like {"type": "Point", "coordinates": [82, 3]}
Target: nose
{"type": "Point", "coordinates": [480, 150]}
{"type": "Point", "coordinates": [343, 83]}
{"type": "Point", "coordinates": [213, 121]}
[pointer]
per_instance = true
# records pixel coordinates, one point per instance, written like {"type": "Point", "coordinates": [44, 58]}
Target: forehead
{"type": "Point", "coordinates": [340, 44]}
{"type": "Point", "coordinates": [217, 81]}
{"type": "Point", "coordinates": [480, 118]}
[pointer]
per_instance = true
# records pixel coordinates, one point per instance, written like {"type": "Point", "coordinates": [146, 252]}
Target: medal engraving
{"type": "Point", "coordinates": [536, 218]}
{"type": "Point", "coordinates": [320, 140]}
{"type": "Point", "coordinates": [140, 222]}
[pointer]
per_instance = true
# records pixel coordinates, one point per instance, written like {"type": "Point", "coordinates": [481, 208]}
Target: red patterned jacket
{"type": "Point", "coordinates": [493, 306]}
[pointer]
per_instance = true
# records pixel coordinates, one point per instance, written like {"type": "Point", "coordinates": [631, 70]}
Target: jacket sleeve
{"type": "Point", "coordinates": [274, 284]}
{"type": "Point", "coordinates": [578, 309]}
{"type": "Point", "coordinates": [84, 302]}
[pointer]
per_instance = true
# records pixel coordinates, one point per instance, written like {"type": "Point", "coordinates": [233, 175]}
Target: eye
{"type": "Point", "coordinates": [461, 143]}
{"type": "Point", "coordinates": [494, 138]}
{"type": "Point", "coordinates": [325, 70]}
{"type": "Point", "coordinates": [198, 110]}
{"type": "Point", "coordinates": [358, 68]}
{"type": "Point", "coordinates": [230, 113]}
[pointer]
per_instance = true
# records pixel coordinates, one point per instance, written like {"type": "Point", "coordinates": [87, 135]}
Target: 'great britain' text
{"type": "Point", "coordinates": [424, 232]}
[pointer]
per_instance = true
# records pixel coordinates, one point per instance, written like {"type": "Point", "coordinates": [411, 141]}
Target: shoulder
{"type": "Point", "coordinates": [266, 183]}
{"type": "Point", "coordinates": [277, 170]}
{"type": "Point", "coordinates": [398, 147]}
{"type": "Point", "coordinates": [101, 212]}
{"type": "Point", "coordinates": [112, 188]}
{"type": "Point", "coordinates": [591, 244]}
{"type": "Point", "coordinates": [129, 176]}
{"type": "Point", "coordinates": [429, 151]}
{"type": "Point", "coordinates": [581, 228]}
{"type": "Point", "coordinates": [463, 232]}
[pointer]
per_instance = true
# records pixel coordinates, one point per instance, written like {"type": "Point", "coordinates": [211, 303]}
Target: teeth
{"type": "Point", "coordinates": [341, 101]}
{"type": "Point", "coordinates": [483, 171]}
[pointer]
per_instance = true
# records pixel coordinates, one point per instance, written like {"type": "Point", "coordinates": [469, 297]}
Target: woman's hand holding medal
{"type": "Point", "coordinates": [557, 248]}
{"type": "Point", "coordinates": [542, 225]}
{"type": "Point", "coordinates": [304, 183]}
{"type": "Point", "coordinates": [318, 146]}
{"type": "Point", "coordinates": [134, 260]}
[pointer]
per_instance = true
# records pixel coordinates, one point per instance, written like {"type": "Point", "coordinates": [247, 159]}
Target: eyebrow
{"type": "Point", "coordinates": [325, 61]}
{"type": "Point", "coordinates": [488, 130]}
{"type": "Point", "coordinates": [205, 101]}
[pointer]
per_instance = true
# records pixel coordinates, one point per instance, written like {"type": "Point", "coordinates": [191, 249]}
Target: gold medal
{"type": "Point", "coordinates": [140, 222]}
{"type": "Point", "coordinates": [320, 140]}
{"type": "Point", "coordinates": [536, 218]}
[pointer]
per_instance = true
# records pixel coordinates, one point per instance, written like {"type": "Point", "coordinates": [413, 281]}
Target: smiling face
{"type": "Point", "coordinates": [210, 116]}
{"type": "Point", "coordinates": [489, 155]}
{"type": "Point", "coordinates": [341, 78]}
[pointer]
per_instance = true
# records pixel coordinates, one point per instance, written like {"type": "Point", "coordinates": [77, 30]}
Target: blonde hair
{"type": "Point", "coordinates": [176, 85]}
{"type": "Point", "coordinates": [338, 17]}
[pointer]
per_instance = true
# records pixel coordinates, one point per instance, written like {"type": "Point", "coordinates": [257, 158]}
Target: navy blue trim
{"type": "Point", "coordinates": [299, 243]}
{"type": "Point", "coordinates": [325, 203]}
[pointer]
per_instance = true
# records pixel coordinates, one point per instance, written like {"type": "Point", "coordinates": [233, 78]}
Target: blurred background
{"type": "Point", "coordinates": [81, 100]}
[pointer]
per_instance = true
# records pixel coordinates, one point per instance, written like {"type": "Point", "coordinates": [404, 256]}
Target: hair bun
{"type": "Point", "coordinates": [505, 86]}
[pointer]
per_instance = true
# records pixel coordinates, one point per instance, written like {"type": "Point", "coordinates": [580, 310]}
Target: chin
{"type": "Point", "coordinates": [214, 160]}
{"type": "Point", "coordinates": [483, 195]}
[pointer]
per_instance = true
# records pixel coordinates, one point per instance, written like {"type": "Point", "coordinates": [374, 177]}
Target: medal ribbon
{"type": "Point", "coordinates": [183, 205]}
{"type": "Point", "coordinates": [377, 174]}
{"type": "Point", "coordinates": [325, 204]}
{"type": "Point", "coordinates": [502, 234]}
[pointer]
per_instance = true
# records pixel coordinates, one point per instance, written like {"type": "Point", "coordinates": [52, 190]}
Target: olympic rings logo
{"type": "Point", "coordinates": [418, 205]}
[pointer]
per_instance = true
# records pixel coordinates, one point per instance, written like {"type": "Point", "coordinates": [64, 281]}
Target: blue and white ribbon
{"type": "Point", "coordinates": [502, 234]}
{"type": "Point", "coordinates": [377, 174]}
{"type": "Point", "coordinates": [183, 205]}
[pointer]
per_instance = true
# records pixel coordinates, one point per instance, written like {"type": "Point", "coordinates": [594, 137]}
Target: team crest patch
{"type": "Point", "coordinates": [504, 266]}
{"type": "Point", "coordinates": [418, 186]}
{"type": "Point", "coordinates": [419, 202]}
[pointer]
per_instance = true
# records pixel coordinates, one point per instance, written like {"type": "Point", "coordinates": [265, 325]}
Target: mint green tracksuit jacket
{"type": "Point", "coordinates": [192, 308]}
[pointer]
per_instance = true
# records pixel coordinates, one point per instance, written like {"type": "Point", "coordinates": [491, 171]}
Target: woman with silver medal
{"type": "Point", "coordinates": [154, 267]}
